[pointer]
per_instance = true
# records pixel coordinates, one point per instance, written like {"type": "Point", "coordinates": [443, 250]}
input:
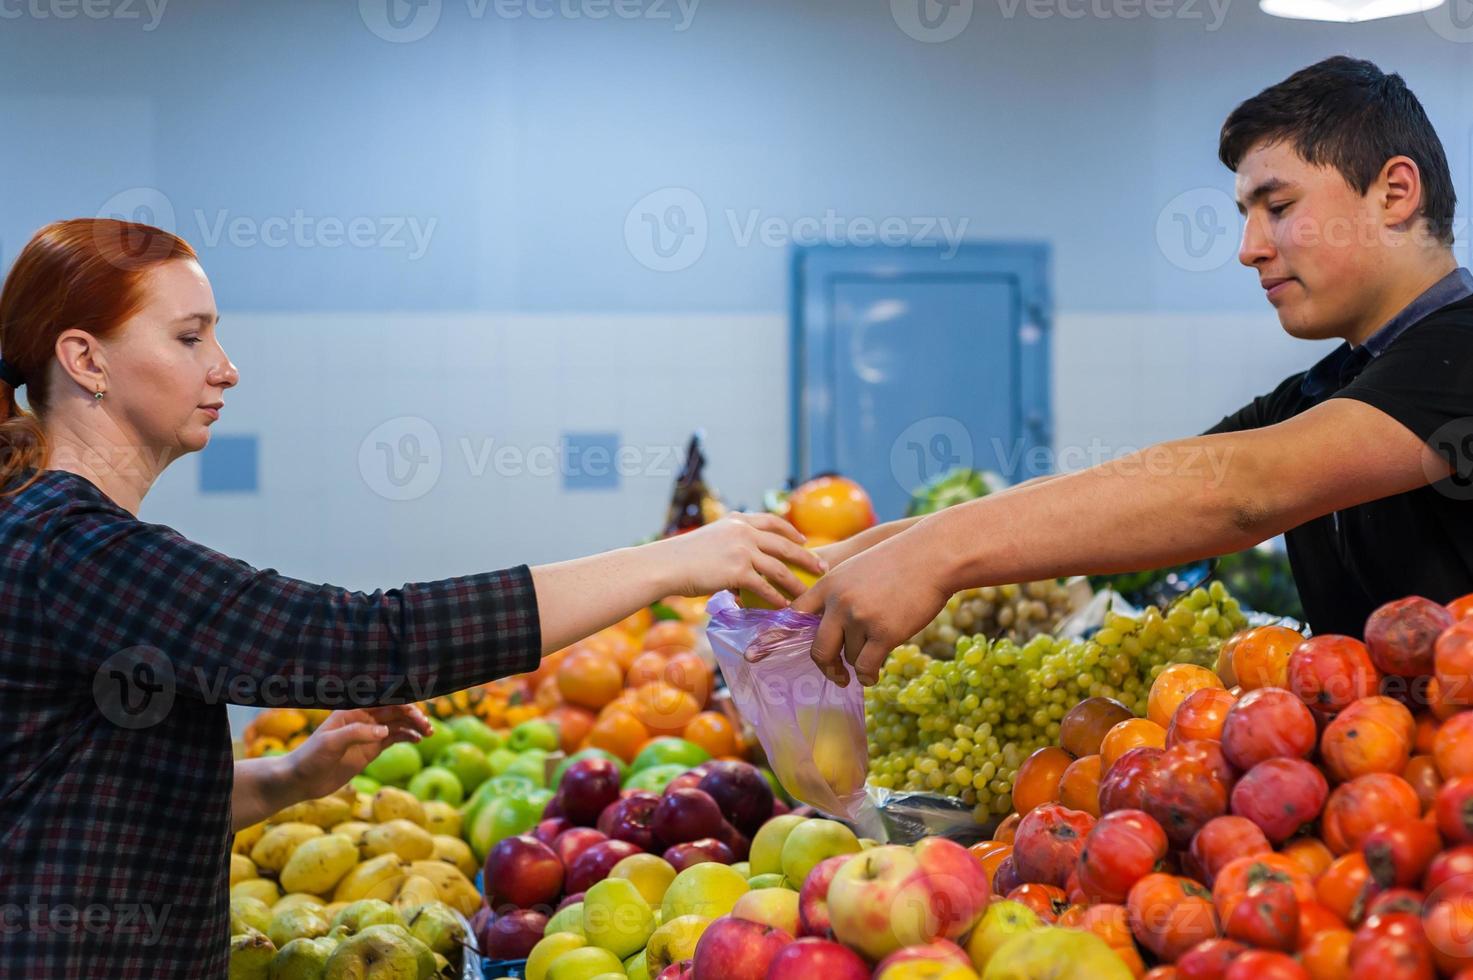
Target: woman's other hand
{"type": "Point", "coordinates": [349, 740]}
{"type": "Point", "coordinates": [741, 551]}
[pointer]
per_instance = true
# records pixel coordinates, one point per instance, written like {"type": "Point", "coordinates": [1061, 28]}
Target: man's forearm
{"type": "Point", "coordinates": [1176, 502]}
{"type": "Point", "coordinates": [262, 787]}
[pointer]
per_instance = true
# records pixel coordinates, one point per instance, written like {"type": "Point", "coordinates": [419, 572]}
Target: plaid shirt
{"type": "Point", "coordinates": [122, 644]}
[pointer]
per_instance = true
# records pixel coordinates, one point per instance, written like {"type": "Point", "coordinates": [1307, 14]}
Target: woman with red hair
{"type": "Point", "coordinates": [121, 641]}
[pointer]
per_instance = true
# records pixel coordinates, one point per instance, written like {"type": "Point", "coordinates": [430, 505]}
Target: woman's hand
{"type": "Point", "coordinates": [872, 603]}
{"type": "Point", "coordinates": [349, 740]}
{"type": "Point", "coordinates": [741, 551]}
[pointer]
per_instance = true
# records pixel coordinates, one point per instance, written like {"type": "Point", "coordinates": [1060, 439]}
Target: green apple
{"type": "Point", "coordinates": [569, 918]}
{"type": "Point", "coordinates": [431, 745]}
{"type": "Point", "coordinates": [500, 759]}
{"type": "Point", "coordinates": [655, 778]}
{"type": "Point", "coordinates": [588, 753]}
{"type": "Point", "coordinates": [467, 763]}
{"type": "Point", "coordinates": [767, 844]}
{"type": "Point", "coordinates": [776, 907]}
{"type": "Point", "coordinates": [395, 765]}
{"type": "Point", "coordinates": [667, 751]}
{"type": "Point", "coordinates": [302, 959]}
{"type": "Point", "coordinates": [584, 963]}
{"type": "Point", "coordinates": [673, 941]}
{"type": "Point", "coordinates": [499, 818]}
{"type": "Point", "coordinates": [812, 841]}
{"type": "Point", "coordinates": [616, 917]}
{"type": "Point", "coordinates": [769, 881]}
{"type": "Point", "coordinates": [535, 734]}
{"type": "Point", "coordinates": [469, 728]}
{"type": "Point", "coordinates": [650, 874]}
{"type": "Point", "coordinates": [1002, 921]}
{"type": "Point", "coordinates": [549, 948]}
{"type": "Point", "coordinates": [365, 784]}
{"type": "Point", "coordinates": [708, 889]}
{"type": "Point", "coordinates": [437, 783]}
{"type": "Point", "coordinates": [531, 764]}
{"type": "Point", "coordinates": [635, 967]}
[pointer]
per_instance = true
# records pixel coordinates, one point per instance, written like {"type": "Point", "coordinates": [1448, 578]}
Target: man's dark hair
{"type": "Point", "coordinates": [1348, 114]}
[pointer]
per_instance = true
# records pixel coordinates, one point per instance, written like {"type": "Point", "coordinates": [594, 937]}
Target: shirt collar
{"type": "Point", "coordinates": [1345, 362]}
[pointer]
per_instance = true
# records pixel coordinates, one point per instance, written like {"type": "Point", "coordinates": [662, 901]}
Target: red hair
{"type": "Point", "coordinates": [84, 273]}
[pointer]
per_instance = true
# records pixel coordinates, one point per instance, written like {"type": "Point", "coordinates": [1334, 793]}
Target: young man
{"type": "Point", "coordinates": [1362, 461]}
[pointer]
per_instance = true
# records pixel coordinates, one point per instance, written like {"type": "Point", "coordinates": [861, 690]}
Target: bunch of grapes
{"type": "Point", "coordinates": [1018, 612]}
{"type": "Point", "coordinates": [962, 727]}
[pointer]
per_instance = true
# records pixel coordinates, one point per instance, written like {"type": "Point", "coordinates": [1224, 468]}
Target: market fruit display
{"type": "Point", "coordinates": [964, 727]}
{"type": "Point", "coordinates": [1310, 829]}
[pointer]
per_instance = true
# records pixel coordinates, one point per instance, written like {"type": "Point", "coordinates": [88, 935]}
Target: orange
{"type": "Point", "coordinates": [636, 623]}
{"type": "Point", "coordinates": [670, 636]}
{"type": "Point", "coordinates": [713, 732]}
{"type": "Point", "coordinates": [649, 666]}
{"type": "Point", "coordinates": [1261, 656]}
{"type": "Point", "coordinates": [831, 507]}
{"type": "Point", "coordinates": [589, 678]}
{"type": "Point", "coordinates": [548, 695]}
{"type": "Point", "coordinates": [689, 672]}
{"type": "Point", "coordinates": [548, 667]}
{"type": "Point", "coordinates": [613, 643]}
{"type": "Point", "coordinates": [619, 732]}
{"type": "Point", "coordinates": [663, 709]}
{"type": "Point", "coordinates": [573, 725]}
{"type": "Point", "coordinates": [1171, 688]}
{"type": "Point", "coordinates": [1130, 734]}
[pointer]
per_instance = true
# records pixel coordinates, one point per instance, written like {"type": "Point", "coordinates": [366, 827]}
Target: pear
{"type": "Point", "coordinates": [317, 865]}
{"type": "Point", "coordinates": [301, 922]}
{"type": "Point", "coordinates": [275, 847]}
{"type": "Point", "coordinates": [453, 850]}
{"type": "Point", "coordinates": [301, 959]}
{"type": "Point", "coordinates": [250, 957]}
{"type": "Point", "coordinates": [299, 898]}
{"type": "Point", "coordinates": [437, 926]}
{"type": "Point", "coordinates": [376, 952]}
{"type": "Point", "coordinates": [402, 837]}
{"type": "Point", "coordinates": [263, 890]}
{"type": "Point", "coordinates": [358, 916]}
{"type": "Point", "coordinates": [392, 803]}
{"type": "Point", "coordinates": [248, 914]}
{"type": "Point", "coordinates": [242, 868]}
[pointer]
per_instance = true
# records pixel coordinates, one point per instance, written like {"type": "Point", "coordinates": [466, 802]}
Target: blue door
{"type": "Point", "coordinates": [911, 361]}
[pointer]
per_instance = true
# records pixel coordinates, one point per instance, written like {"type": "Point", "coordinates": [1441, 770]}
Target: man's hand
{"type": "Point", "coordinates": [872, 603]}
{"type": "Point", "coordinates": [349, 740]}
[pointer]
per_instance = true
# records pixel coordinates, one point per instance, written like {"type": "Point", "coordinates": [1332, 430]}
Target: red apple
{"type": "Point", "coordinates": [689, 779]}
{"type": "Point", "coordinates": [631, 818]}
{"type": "Point", "coordinates": [522, 871]}
{"type": "Point", "coordinates": [810, 959]}
{"type": "Point", "coordinates": [735, 949]}
{"type": "Point", "coordinates": [594, 864]}
{"type": "Point", "coordinates": [588, 786]}
{"type": "Point", "coordinates": [960, 891]}
{"type": "Point", "coordinates": [738, 843]}
{"type": "Point", "coordinates": [682, 856]}
{"type": "Point", "coordinates": [683, 970]}
{"type": "Point", "coordinates": [548, 829]}
{"type": "Point", "coordinates": [685, 815]}
{"type": "Point", "coordinates": [511, 936]}
{"type": "Point", "coordinates": [813, 897]}
{"type": "Point", "coordinates": [744, 796]}
{"type": "Point", "coordinates": [573, 842]}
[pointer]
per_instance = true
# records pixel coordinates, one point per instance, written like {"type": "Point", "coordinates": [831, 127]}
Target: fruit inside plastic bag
{"type": "Point", "coordinates": [812, 729]}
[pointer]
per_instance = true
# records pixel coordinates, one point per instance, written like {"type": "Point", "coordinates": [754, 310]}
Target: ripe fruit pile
{"type": "Point", "coordinates": [1017, 612]}
{"type": "Point", "coordinates": [1313, 821]}
{"type": "Point", "coordinates": [327, 885]}
{"type": "Point", "coordinates": [963, 727]}
{"type": "Point", "coordinates": [279, 730]}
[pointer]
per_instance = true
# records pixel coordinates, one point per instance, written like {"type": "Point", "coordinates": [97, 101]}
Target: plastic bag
{"type": "Point", "coordinates": [812, 729]}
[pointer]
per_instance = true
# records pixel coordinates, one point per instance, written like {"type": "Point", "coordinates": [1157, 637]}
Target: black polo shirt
{"type": "Point", "coordinates": [1420, 372]}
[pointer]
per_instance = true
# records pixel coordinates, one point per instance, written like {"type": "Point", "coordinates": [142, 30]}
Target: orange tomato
{"type": "Point", "coordinates": [713, 732]}
{"type": "Point", "coordinates": [1343, 883]}
{"type": "Point", "coordinates": [670, 636]}
{"type": "Point", "coordinates": [1311, 853]}
{"type": "Point", "coordinates": [662, 708]}
{"type": "Point", "coordinates": [589, 678]}
{"type": "Point", "coordinates": [573, 725]}
{"type": "Point", "coordinates": [1453, 746]}
{"type": "Point", "coordinates": [1172, 686]}
{"type": "Point", "coordinates": [831, 507]}
{"type": "Point", "coordinates": [620, 732]}
{"type": "Point", "coordinates": [1079, 786]}
{"type": "Point", "coordinates": [1261, 656]}
{"type": "Point", "coordinates": [1133, 733]}
{"type": "Point", "coordinates": [1327, 955]}
{"type": "Point", "coordinates": [1038, 778]}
